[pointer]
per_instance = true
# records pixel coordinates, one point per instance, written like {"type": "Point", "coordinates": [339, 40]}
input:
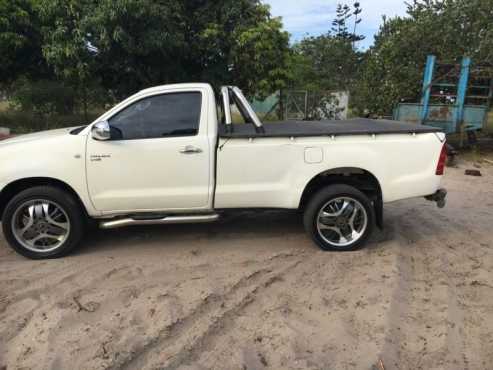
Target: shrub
{"type": "Point", "coordinates": [43, 97]}
{"type": "Point", "coordinates": [20, 122]}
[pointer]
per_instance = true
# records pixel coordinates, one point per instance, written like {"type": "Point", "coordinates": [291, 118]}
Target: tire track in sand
{"type": "Point", "coordinates": [182, 341]}
{"type": "Point", "coordinates": [407, 342]}
{"type": "Point", "coordinates": [434, 260]}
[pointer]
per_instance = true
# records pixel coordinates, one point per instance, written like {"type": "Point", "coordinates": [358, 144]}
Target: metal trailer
{"type": "Point", "coordinates": [454, 97]}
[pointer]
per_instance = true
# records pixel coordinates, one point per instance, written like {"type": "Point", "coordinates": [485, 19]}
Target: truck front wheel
{"type": "Point", "coordinates": [339, 218]}
{"type": "Point", "coordinates": [43, 222]}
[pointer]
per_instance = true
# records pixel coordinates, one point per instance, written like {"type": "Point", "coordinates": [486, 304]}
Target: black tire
{"type": "Point", "coordinates": [76, 217]}
{"type": "Point", "coordinates": [324, 196]}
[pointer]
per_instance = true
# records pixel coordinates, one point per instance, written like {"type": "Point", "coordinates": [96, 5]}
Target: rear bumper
{"type": "Point", "coordinates": [439, 197]}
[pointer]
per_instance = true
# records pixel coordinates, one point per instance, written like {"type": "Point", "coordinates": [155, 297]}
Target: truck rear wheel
{"type": "Point", "coordinates": [339, 218]}
{"type": "Point", "coordinates": [43, 222]}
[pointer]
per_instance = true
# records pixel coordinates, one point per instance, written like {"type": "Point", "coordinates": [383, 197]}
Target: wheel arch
{"type": "Point", "coordinates": [361, 179]}
{"type": "Point", "coordinates": [15, 187]}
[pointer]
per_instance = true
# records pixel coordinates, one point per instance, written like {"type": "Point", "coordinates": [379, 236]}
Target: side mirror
{"type": "Point", "coordinates": [101, 131]}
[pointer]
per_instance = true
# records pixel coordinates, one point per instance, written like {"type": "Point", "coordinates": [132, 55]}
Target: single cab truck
{"type": "Point", "coordinates": [170, 154]}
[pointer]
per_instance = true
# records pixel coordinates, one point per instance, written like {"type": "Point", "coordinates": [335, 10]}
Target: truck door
{"type": "Point", "coordinates": [158, 157]}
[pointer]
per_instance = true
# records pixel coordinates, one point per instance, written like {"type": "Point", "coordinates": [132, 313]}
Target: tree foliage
{"type": "Point", "coordinates": [325, 63]}
{"type": "Point", "coordinates": [131, 44]}
{"type": "Point", "coordinates": [20, 42]}
{"type": "Point", "coordinates": [43, 97]}
{"type": "Point", "coordinates": [81, 48]}
{"type": "Point", "coordinates": [449, 29]}
{"type": "Point", "coordinates": [340, 25]}
{"type": "Point", "coordinates": [330, 61]}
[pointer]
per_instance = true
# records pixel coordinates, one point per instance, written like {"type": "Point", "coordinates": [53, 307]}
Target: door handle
{"type": "Point", "coordinates": [190, 149]}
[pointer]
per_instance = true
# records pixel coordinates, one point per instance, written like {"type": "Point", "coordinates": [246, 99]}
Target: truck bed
{"type": "Point", "coordinates": [358, 126]}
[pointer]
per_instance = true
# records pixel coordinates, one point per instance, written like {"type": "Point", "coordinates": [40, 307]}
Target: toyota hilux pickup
{"type": "Point", "coordinates": [172, 154]}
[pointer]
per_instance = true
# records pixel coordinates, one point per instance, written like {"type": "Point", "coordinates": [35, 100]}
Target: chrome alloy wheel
{"type": "Point", "coordinates": [40, 225]}
{"type": "Point", "coordinates": [342, 221]}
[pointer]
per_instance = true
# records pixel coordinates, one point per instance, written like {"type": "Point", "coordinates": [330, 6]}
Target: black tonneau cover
{"type": "Point", "coordinates": [358, 126]}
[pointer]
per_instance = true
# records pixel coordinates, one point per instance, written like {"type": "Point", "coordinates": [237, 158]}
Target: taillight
{"type": "Point", "coordinates": [441, 161]}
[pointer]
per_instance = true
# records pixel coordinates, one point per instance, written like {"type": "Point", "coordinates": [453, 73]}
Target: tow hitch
{"type": "Point", "coordinates": [438, 197]}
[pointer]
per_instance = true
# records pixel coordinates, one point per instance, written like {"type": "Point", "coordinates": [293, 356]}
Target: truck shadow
{"type": "Point", "coordinates": [263, 230]}
{"type": "Point", "coordinates": [255, 231]}
{"type": "Point", "coordinates": [244, 229]}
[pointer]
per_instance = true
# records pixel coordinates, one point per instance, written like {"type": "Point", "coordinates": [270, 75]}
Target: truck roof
{"type": "Point", "coordinates": [191, 85]}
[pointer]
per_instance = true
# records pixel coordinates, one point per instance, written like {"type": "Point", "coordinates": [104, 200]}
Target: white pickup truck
{"type": "Point", "coordinates": [171, 154]}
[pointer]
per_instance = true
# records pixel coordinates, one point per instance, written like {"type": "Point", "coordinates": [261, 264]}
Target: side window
{"type": "Point", "coordinates": [167, 115]}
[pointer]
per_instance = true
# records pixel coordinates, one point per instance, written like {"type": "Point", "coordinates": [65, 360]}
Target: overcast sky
{"type": "Point", "coordinates": [315, 16]}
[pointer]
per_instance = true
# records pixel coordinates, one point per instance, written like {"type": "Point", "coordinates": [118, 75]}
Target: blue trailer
{"type": "Point", "coordinates": [454, 98]}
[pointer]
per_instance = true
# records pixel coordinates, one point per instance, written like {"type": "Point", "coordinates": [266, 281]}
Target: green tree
{"type": "Point", "coordinates": [325, 63]}
{"type": "Point", "coordinates": [448, 29]}
{"type": "Point", "coordinates": [259, 57]}
{"type": "Point", "coordinates": [340, 25]}
{"type": "Point", "coordinates": [131, 44]}
{"type": "Point", "coordinates": [20, 42]}
{"type": "Point", "coordinates": [329, 61]}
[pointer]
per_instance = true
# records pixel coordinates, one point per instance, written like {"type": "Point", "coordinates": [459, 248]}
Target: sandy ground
{"type": "Point", "coordinates": [252, 292]}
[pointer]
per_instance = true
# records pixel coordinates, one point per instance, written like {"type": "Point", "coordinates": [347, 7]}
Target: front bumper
{"type": "Point", "coordinates": [439, 197]}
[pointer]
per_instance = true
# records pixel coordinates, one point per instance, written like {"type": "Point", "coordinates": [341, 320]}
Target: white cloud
{"type": "Point", "coordinates": [315, 16]}
{"type": "Point", "coordinates": [303, 16]}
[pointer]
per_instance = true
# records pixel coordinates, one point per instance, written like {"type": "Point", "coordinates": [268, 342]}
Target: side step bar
{"type": "Point", "coordinates": [122, 222]}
